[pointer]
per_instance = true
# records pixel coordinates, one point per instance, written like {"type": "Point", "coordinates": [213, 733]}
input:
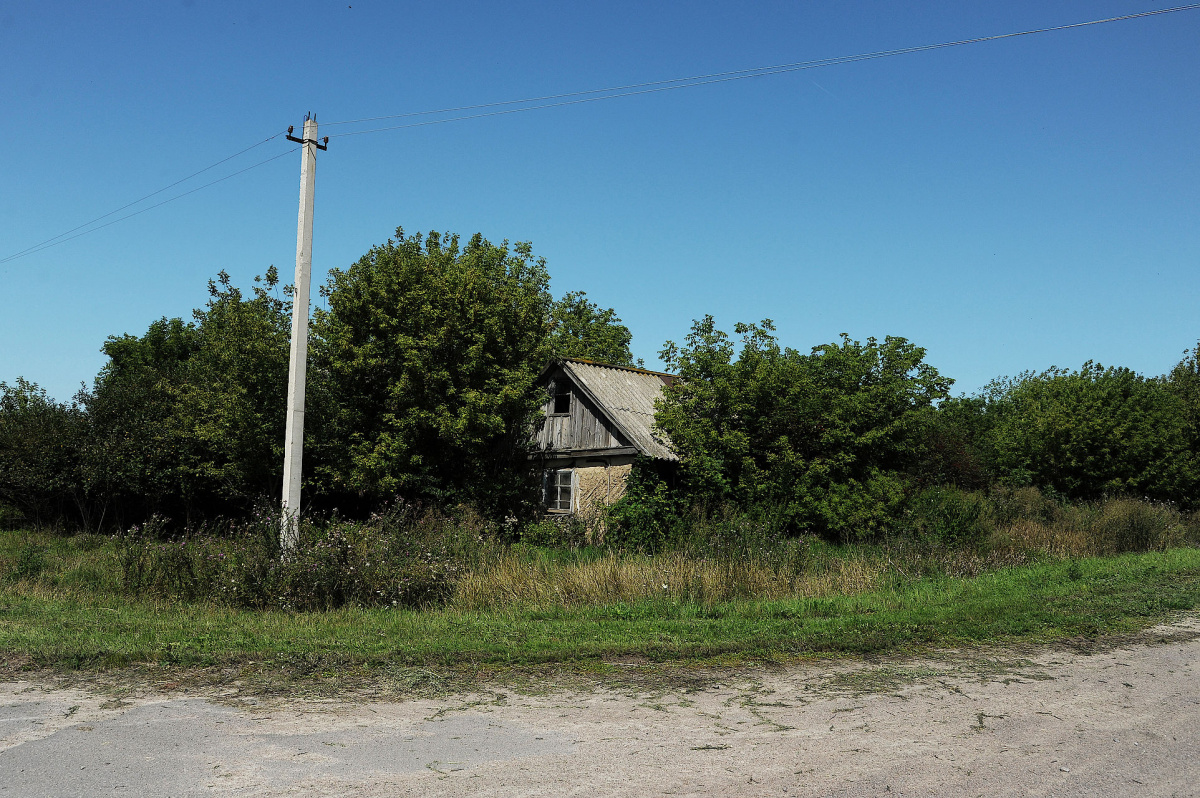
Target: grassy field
{"type": "Point", "coordinates": [62, 607]}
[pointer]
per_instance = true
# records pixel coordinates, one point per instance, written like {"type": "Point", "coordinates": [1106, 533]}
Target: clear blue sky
{"type": "Point", "coordinates": [1010, 205]}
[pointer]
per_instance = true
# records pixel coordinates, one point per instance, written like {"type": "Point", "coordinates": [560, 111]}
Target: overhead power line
{"type": "Point", "coordinates": [62, 238]}
{"type": "Point", "coordinates": [653, 87]}
{"type": "Point", "coordinates": [558, 100]}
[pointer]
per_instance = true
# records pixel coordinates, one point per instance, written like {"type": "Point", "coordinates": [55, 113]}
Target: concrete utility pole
{"type": "Point", "coordinates": [293, 442]}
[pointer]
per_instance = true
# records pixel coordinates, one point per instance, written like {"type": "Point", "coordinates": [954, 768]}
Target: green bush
{"type": "Point", "coordinates": [1093, 433]}
{"type": "Point", "coordinates": [391, 560]}
{"type": "Point", "coordinates": [1009, 505]}
{"type": "Point", "coordinates": [568, 533]}
{"type": "Point", "coordinates": [30, 563]}
{"type": "Point", "coordinates": [828, 437]}
{"type": "Point", "coordinates": [951, 516]}
{"type": "Point", "coordinates": [1125, 525]}
{"type": "Point", "coordinates": [650, 516]}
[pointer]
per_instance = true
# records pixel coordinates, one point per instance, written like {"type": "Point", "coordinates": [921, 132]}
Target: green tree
{"type": "Point", "coordinates": [1184, 383]}
{"type": "Point", "coordinates": [41, 446]}
{"type": "Point", "coordinates": [231, 405]}
{"type": "Point", "coordinates": [825, 438]}
{"type": "Point", "coordinates": [582, 329]}
{"type": "Point", "coordinates": [425, 364]}
{"type": "Point", "coordinates": [187, 419]}
{"type": "Point", "coordinates": [1092, 433]}
{"type": "Point", "coordinates": [134, 450]}
{"type": "Point", "coordinates": [957, 444]}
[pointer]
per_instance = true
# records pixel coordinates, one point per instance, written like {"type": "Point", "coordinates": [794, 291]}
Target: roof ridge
{"type": "Point", "coordinates": [634, 369]}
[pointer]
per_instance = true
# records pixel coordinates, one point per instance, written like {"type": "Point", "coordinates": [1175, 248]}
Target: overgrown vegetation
{"type": "Point", "coordinates": [88, 600]}
{"type": "Point", "coordinates": [822, 440]}
{"type": "Point", "coordinates": [418, 559]}
{"type": "Point", "coordinates": [420, 385]}
{"type": "Point", "coordinates": [816, 494]}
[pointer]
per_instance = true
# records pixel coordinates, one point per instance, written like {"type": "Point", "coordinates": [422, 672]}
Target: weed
{"type": "Point", "coordinates": [31, 562]}
{"type": "Point", "coordinates": [398, 560]}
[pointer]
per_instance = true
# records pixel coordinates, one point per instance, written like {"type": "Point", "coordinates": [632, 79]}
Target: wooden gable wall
{"type": "Point", "coordinates": [583, 428]}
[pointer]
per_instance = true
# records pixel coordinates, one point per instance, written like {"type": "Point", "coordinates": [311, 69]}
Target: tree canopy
{"type": "Point", "coordinates": [582, 329]}
{"type": "Point", "coordinates": [41, 444]}
{"type": "Point", "coordinates": [825, 438]}
{"type": "Point", "coordinates": [188, 418]}
{"type": "Point", "coordinates": [1091, 433]}
{"type": "Point", "coordinates": [424, 365]}
{"type": "Point", "coordinates": [422, 388]}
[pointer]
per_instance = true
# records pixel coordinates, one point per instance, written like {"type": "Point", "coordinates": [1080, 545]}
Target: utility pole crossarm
{"type": "Point", "coordinates": [323, 145]}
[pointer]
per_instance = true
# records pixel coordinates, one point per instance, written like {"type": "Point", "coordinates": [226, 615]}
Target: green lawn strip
{"type": "Point", "coordinates": [1033, 603]}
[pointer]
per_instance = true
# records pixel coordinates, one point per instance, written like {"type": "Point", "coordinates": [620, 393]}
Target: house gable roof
{"type": "Point", "coordinates": [625, 396]}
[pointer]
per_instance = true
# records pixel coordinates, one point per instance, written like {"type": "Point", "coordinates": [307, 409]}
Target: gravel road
{"type": "Point", "coordinates": [1053, 722]}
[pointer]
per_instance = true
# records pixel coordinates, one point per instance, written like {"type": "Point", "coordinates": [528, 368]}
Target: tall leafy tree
{"type": "Point", "coordinates": [823, 438]}
{"type": "Point", "coordinates": [135, 447]}
{"type": "Point", "coordinates": [425, 362]}
{"type": "Point", "coordinates": [231, 405]}
{"type": "Point", "coordinates": [580, 328]}
{"type": "Point", "coordinates": [1184, 383]}
{"type": "Point", "coordinates": [41, 448]}
{"type": "Point", "coordinates": [1092, 433]}
{"type": "Point", "coordinates": [421, 384]}
{"type": "Point", "coordinates": [187, 419]}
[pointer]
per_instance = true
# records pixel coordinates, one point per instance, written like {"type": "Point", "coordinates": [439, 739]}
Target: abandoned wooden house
{"type": "Point", "coordinates": [598, 418]}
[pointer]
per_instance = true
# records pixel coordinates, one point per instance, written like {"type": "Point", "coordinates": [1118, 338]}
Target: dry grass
{"type": "Point", "coordinates": [1114, 527]}
{"type": "Point", "coordinates": [616, 578]}
{"type": "Point", "coordinates": [967, 563]}
{"type": "Point", "coordinates": [1017, 529]}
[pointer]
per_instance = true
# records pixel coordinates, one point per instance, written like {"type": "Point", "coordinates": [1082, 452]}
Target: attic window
{"type": "Point", "coordinates": [562, 402]}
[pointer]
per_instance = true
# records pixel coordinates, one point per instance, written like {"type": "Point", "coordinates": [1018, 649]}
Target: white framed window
{"type": "Point", "coordinates": [560, 489]}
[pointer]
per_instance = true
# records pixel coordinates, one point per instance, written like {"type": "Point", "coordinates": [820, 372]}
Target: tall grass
{"type": "Point", "coordinates": [413, 559]}
{"type": "Point", "coordinates": [400, 558]}
{"type": "Point", "coordinates": [1026, 518]}
{"type": "Point", "coordinates": [630, 578]}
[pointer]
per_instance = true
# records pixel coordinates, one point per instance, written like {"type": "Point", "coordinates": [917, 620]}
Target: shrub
{"type": "Point", "coordinates": [1092, 433]}
{"type": "Point", "coordinates": [1029, 519]}
{"type": "Point", "coordinates": [1009, 505]}
{"type": "Point", "coordinates": [827, 437]}
{"type": "Point", "coordinates": [1124, 525]}
{"type": "Point", "coordinates": [30, 563]}
{"type": "Point", "coordinates": [41, 443]}
{"type": "Point", "coordinates": [646, 526]}
{"type": "Point", "coordinates": [951, 516]}
{"type": "Point", "coordinates": [398, 559]}
{"type": "Point", "coordinates": [556, 533]}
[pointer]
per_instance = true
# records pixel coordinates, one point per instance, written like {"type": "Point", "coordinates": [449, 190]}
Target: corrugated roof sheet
{"type": "Point", "coordinates": [627, 395]}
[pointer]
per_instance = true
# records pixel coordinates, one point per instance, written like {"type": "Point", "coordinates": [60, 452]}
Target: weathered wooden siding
{"type": "Point", "coordinates": [628, 397]}
{"type": "Point", "coordinates": [583, 428]}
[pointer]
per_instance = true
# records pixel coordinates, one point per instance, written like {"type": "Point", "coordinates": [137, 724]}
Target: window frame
{"type": "Point", "coordinates": [552, 486]}
{"type": "Point", "coordinates": [554, 397]}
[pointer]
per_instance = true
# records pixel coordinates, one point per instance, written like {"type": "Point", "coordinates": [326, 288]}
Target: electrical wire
{"type": "Point", "coordinates": [671, 84]}
{"type": "Point", "coordinates": [53, 242]}
{"type": "Point", "coordinates": [587, 96]}
{"type": "Point", "coordinates": [49, 242]}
